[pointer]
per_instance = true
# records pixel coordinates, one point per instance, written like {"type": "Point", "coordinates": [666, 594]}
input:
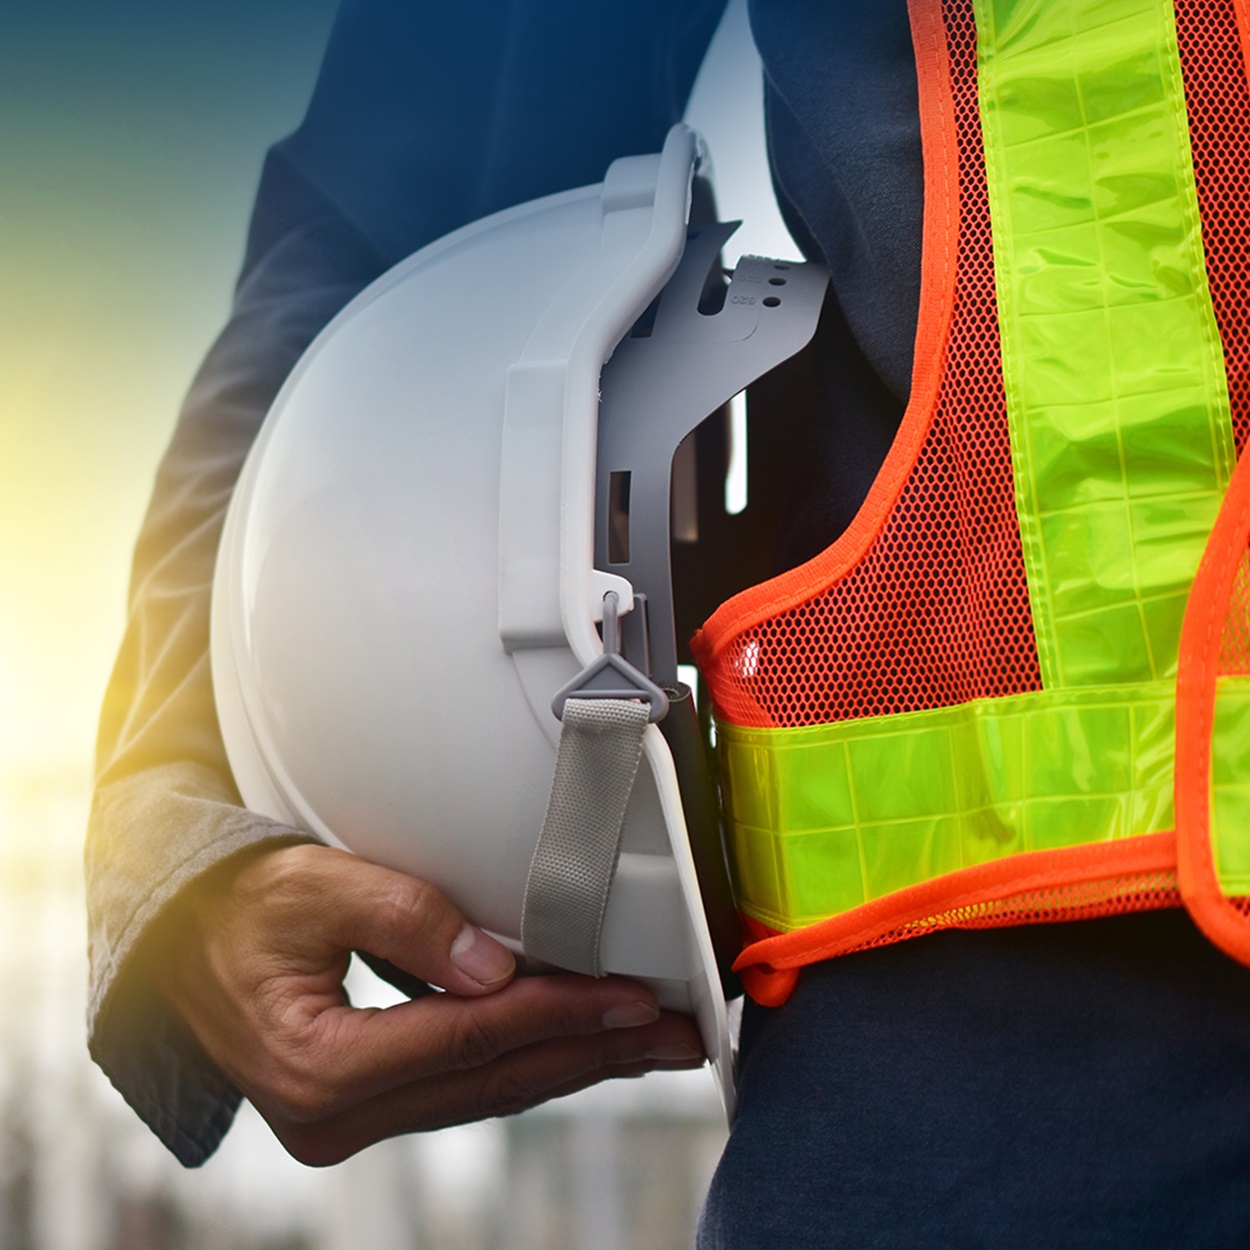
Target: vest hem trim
{"type": "Point", "coordinates": [1139, 872]}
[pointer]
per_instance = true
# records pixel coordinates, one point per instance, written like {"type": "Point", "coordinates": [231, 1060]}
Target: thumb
{"type": "Point", "coordinates": [414, 926]}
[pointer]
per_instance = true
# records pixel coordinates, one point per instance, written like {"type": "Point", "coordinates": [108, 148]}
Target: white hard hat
{"type": "Point", "coordinates": [437, 518]}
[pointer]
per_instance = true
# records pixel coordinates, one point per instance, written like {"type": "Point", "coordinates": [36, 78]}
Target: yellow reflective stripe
{"type": "Point", "coordinates": [1117, 401]}
{"type": "Point", "coordinates": [822, 819]}
{"type": "Point", "coordinates": [1230, 785]}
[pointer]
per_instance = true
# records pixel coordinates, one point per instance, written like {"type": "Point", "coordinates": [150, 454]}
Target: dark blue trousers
{"type": "Point", "coordinates": [1075, 1085]}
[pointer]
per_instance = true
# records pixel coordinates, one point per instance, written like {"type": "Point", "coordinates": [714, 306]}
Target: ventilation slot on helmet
{"type": "Point", "coordinates": [618, 517]}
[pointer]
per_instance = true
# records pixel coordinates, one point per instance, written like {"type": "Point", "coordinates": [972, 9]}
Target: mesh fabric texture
{"type": "Point", "coordinates": [937, 613]}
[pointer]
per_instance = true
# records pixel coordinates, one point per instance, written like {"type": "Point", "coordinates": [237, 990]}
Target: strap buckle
{"type": "Point", "coordinates": [611, 675]}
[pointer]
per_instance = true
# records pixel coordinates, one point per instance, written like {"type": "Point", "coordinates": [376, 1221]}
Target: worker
{"type": "Point", "coordinates": [1041, 1084]}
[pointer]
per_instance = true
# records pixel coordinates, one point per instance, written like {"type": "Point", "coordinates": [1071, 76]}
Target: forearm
{"type": "Point", "coordinates": [165, 809]}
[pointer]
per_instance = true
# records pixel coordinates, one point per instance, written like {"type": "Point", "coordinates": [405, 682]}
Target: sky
{"type": "Point", "coordinates": [131, 138]}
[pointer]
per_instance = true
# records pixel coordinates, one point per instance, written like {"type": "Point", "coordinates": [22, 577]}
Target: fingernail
{"type": "Point", "coordinates": [481, 957]}
{"type": "Point", "coordinates": [630, 1015]}
{"type": "Point", "coordinates": [673, 1052]}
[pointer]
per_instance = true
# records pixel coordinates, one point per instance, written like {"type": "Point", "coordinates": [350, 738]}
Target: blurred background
{"type": "Point", "coordinates": [131, 139]}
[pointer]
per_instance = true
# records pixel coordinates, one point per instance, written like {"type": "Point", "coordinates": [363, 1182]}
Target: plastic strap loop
{"type": "Point", "coordinates": [611, 675]}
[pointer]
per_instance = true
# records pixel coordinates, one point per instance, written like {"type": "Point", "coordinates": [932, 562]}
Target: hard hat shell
{"type": "Point", "coordinates": [407, 572]}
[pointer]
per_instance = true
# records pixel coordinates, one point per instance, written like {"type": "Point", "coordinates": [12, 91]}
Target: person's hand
{"type": "Point", "coordinates": [255, 966]}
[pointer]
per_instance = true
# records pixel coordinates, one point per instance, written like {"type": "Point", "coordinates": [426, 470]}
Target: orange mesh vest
{"type": "Point", "coordinates": [1017, 689]}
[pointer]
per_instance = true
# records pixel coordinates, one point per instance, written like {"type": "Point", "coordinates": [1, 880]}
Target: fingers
{"type": "Point", "coordinates": [511, 1083]}
{"type": "Point", "coordinates": [359, 1054]}
{"type": "Point", "coordinates": [397, 917]}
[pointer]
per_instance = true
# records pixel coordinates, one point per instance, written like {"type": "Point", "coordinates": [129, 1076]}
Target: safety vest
{"type": "Point", "coordinates": [1017, 688]}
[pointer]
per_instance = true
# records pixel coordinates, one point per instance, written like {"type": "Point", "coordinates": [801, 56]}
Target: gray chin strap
{"type": "Point", "coordinates": [566, 891]}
